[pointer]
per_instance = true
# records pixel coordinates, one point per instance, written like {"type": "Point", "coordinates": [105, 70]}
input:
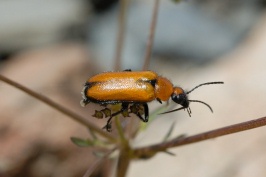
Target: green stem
{"type": "Point", "coordinates": [125, 151]}
{"type": "Point", "coordinates": [120, 131]}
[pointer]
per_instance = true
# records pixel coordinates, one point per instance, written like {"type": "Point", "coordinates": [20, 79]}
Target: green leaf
{"type": "Point", "coordinates": [82, 142]}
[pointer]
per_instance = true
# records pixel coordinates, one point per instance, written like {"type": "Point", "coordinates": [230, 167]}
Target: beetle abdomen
{"type": "Point", "coordinates": [121, 87]}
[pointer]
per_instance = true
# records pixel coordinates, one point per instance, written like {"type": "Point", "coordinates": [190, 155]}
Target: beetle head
{"type": "Point", "coordinates": [180, 97]}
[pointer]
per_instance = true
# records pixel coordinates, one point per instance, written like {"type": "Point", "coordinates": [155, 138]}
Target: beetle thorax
{"type": "Point", "coordinates": [163, 89]}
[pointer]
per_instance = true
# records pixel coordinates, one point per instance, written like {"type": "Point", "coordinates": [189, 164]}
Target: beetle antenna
{"type": "Point", "coordinates": [188, 108]}
{"type": "Point", "coordinates": [189, 111]}
{"type": "Point", "coordinates": [173, 110]}
{"type": "Point", "coordinates": [207, 83]}
{"type": "Point", "coordinates": [178, 109]}
{"type": "Point", "coordinates": [202, 103]}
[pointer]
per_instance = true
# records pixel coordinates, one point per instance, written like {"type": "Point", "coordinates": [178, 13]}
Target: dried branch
{"type": "Point", "coordinates": [120, 33]}
{"type": "Point", "coordinates": [148, 151]}
{"type": "Point", "coordinates": [60, 108]}
{"type": "Point", "coordinates": [149, 45]}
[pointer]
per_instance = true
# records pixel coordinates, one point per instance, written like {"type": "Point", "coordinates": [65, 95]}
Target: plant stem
{"type": "Point", "coordinates": [120, 33]}
{"type": "Point", "coordinates": [123, 162]}
{"type": "Point", "coordinates": [60, 108]}
{"type": "Point", "coordinates": [97, 163]}
{"type": "Point", "coordinates": [121, 134]}
{"type": "Point", "coordinates": [146, 151]}
{"type": "Point", "coordinates": [149, 45]}
{"type": "Point", "coordinates": [125, 151]}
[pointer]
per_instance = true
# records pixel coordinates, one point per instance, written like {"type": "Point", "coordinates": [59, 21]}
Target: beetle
{"type": "Point", "coordinates": [135, 88]}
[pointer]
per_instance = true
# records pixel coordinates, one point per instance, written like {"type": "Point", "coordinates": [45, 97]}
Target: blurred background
{"type": "Point", "coordinates": [52, 47]}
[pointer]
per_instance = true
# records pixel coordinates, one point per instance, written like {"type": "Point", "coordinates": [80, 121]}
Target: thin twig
{"type": "Point", "coordinates": [60, 108]}
{"type": "Point", "coordinates": [145, 151]}
{"type": "Point", "coordinates": [120, 33]}
{"type": "Point", "coordinates": [149, 45]}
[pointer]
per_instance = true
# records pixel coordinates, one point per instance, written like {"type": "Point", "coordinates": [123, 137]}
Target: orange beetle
{"type": "Point", "coordinates": [136, 88]}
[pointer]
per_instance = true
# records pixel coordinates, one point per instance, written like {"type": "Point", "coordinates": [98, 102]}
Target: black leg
{"type": "Point", "coordinates": [146, 112]}
{"type": "Point", "coordinates": [127, 70]}
{"type": "Point", "coordinates": [108, 125]}
{"type": "Point", "coordinates": [140, 117]}
{"type": "Point", "coordinates": [160, 101]}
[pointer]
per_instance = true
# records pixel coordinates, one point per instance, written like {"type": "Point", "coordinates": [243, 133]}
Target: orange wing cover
{"type": "Point", "coordinates": [122, 86]}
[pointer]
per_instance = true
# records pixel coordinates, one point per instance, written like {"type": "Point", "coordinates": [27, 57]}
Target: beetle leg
{"type": "Point", "coordinates": [146, 112]}
{"type": "Point", "coordinates": [141, 118]}
{"type": "Point", "coordinates": [160, 101]}
{"type": "Point", "coordinates": [108, 125]}
{"type": "Point", "coordinates": [127, 70]}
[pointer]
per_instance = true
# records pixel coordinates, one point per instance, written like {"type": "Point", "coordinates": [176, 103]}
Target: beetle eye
{"type": "Point", "coordinates": [175, 98]}
{"type": "Point", "coordinates": [178, 98]}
